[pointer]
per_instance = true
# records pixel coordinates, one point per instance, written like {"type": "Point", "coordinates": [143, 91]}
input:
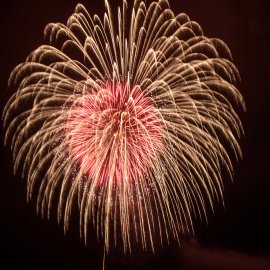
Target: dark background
{"type": "Point", "coordinates": [241, 229]}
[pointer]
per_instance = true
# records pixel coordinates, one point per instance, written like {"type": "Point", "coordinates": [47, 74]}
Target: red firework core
{"type": "Point", "coordinates": [114, 133]}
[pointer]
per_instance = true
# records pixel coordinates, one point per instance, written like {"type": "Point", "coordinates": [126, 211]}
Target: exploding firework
{"type": "Point", "coordinates": [131, 120]}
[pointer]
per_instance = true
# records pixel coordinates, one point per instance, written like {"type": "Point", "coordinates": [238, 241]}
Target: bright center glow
{"type": "Point", "coordinates": [115, 133]}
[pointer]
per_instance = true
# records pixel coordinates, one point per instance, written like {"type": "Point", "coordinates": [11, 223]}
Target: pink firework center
{"type": "Point", "coordinates": [114, 133]}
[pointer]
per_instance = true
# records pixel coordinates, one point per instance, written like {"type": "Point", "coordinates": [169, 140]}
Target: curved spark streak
{"type": "Point", "coordinates": [131, 120]}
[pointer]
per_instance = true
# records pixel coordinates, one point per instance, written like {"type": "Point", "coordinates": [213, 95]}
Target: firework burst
{"type": "Point", "coordinates": [132, 120]}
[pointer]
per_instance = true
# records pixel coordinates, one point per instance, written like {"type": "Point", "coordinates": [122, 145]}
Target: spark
{"type": "Point", "coordinates": [133, 120]}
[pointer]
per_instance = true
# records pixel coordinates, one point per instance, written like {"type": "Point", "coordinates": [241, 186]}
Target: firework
{"type": "Point", "coordinates": [129, 118]}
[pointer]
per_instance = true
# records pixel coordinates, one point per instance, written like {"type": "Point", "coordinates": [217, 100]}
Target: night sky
{"type": "Point", "coordinates": [236, 237]}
